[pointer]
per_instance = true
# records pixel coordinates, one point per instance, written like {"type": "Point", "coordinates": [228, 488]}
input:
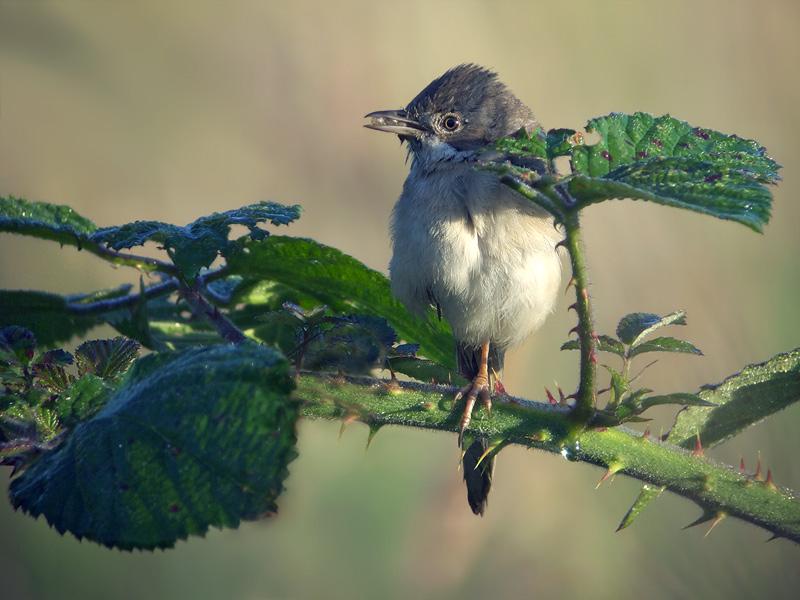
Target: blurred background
{"type": "Point", "coordinates": [172, 110]}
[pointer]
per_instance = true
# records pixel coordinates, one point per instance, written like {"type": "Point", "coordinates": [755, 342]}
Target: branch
{"type": "Point", "coordinates": [586, 396]}
{"type": "Point", "coordinates": [717, 489]}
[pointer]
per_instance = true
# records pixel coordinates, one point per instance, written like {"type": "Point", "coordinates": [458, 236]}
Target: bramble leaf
{"type": "Point", "coordinates": [339, 281]}
{"type": "Point", "coordinates": [45, 221]}
{"type": "Point", "coordinates": [46, 315]}
{"type": "Point", "coordinates": [190, 440]}
{"type": "Point", "coordinates": [108, 359]}
{"type": "Point", "coordinates": [682, 398]}
{"type": "Point", "coordinates": [668, 161]}
{"type": "Point", "coordinates": [664, 344]}
{"type": "Point", "coordinates": [633, 328]}
{"type": "Point", "coordinates": [198, 244]}
{"type": "Point", "coordinates": [741, 400]}
{"type": "Point", "coordinates": [605, 343]}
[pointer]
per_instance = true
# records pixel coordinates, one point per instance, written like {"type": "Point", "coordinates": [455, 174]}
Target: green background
{"type": "Point", "coordinates": [172, 110]}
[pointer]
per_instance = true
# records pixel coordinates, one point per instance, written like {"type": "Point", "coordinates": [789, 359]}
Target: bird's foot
{"type": "Point", "coordinates": [478, 389]}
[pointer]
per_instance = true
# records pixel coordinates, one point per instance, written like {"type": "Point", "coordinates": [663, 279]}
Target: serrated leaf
{"type": "Point", "coordinates": [198, 244]}
{"type": "Point", "coordinates": [605, 343]}
{"type": "Point", "coordinates": [634, 327]}
{"type": "Point", "coordinates": [741, 400]}
{"type": "Point", "coordinates": [664, 344]}
{"type": "Point", "coordinates": [45, 221]}
{"type": "Point", "coordinates": [191, 439]}
{"type": "Point", "coordinates": [619, 385]}
{"type": "Point", "coordinates": [46, 315]}
{"type": "Point", "coordinates": [668, 161]}
{"type": "Point", "coordinates": [108, 359]}
{"type": "Point", "coordinates": [345, 285]}
{"type": "Point", "coordinates": [683, 398]}
{"type": "Point", "coordinates": [81, 399]}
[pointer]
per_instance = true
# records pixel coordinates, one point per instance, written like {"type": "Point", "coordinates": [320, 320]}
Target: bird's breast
{"type": "Point", "coordinates": [483, 253]}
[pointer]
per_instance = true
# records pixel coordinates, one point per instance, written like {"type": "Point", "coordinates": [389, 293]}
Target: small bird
{"type": "Point", "coordinates": [485, 257]}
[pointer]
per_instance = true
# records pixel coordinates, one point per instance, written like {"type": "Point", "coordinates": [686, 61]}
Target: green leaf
{"type": "Point", "coordinates": [683, 398]}
{"type": "Point", "coordinates": [191, 439]}
{"type": "Point", "coordinates": [664, 344]}
{"type": "Point", "coordinates": [605, 343]}
{"type": "Point", "coordinates": [82, 399]}
{"type": "Point", "coordinates": [345, 285]}
{"type": "Point", "coordinates": [108, 359]}
{"type": "Point", "coordinates": [668, 161]}
{"type": "Point", "coordinates": [632, 328]}
{"type": "Point", "coordinates": [46, 315]}
{"type": "Point", "coordinates": [741, 400]}
{"type": "Point", "coordinates": [45, 221]}
{"type": "Point", "coordinates": [198, 244]}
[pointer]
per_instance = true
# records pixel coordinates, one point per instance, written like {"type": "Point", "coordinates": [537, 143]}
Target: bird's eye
{"type": "Point", "coordinates": [451, 122]}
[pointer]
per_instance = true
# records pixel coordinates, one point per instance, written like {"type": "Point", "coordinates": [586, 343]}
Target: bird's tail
{"type": "Point", "coordinates": [478, 477]}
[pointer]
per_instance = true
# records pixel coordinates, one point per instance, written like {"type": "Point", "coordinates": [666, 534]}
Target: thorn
{"type": "Point", "coordinates": [612, 470]}
{"type": "Point", "coordinates": [741, 466]}
{"type": "Point", "coordinates": [499, 388]}
{"type": "Point", "coordinates": [704, 518]}
{"type": "Point", "coordinates": [757, 474]}
{"type": "Point", "coordinates": [373, 430]}
{"type": "Point", "coordinates": [562, 399]}
{"type": "Point", "coordinates": [550, 398]}
{"type": "Point", "coordinates": [573, 306]}
{"type": "Point", "coordinates": [698, 447]}
{"type": "Point", "coordinates": [773, 537]}
{"type": "Point", "coordinates": [574, 330]}
{"type": "Point", "coordinates": [561, 244]}
{"type": "Point", "coordinates": [717, 519]}
{"type": "Point", "coordinates": [346, 421]}
{"type": "Point", "coordinates": [392, 386]}
{"type": "Point", "coordinates": [646, 434]}
{"type": "Point", "coordinates": [492, 449]}
{"type": "Point", "coordinates": [571, 282]}
{"type": "Point", "coordinates": [770, 483]}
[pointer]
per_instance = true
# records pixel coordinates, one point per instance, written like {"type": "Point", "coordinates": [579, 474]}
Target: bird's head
{"type": "Point", "coordinates": [464, 109]}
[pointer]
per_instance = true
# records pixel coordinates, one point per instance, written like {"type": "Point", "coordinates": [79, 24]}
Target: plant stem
{"type": "Point", "coordinates": [203, 308]}
{"type": "Point", "coordinates": [715, 488]}
{"type": "Point", "coordinates": [586, 395]}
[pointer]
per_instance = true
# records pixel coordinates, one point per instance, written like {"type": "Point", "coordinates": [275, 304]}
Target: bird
{"type": "Point", "coordinates": [482, 255]}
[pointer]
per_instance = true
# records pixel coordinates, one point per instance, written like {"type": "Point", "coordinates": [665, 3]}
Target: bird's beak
{"type": "Point", "coordinates": [394, 121]}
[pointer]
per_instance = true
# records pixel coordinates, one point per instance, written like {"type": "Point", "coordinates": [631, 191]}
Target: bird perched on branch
{"type": "Point", "coordinates": [480, 253]}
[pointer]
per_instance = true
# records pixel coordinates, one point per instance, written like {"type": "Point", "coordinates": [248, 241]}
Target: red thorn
{"type": "Point", "coordinates": [698, 447]}
{"type": "Point", "coordinates": [499, 388]}
{"type": "Point", "coordinates": [741, 466]}
{"type": "Point", "coordinates": [573, 306]}
{"type": "Point", "coordinates": [770, 483]}
{"type": "Point", "coordinates": [757, 474]}
{"type": "Point", "coordinates": [571, 282]}
{"type": "Point", "coordinates": [562, 399]}
{"type": "Point", "coordinates": [574, 330]}
{"type": "Point", "coordinates": [550, 398]}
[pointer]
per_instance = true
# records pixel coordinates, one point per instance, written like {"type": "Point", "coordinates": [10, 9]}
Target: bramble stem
{"type": "Point", "coordinates": [587, 395]}
{"type": "Point", "coordinates": [203, 308]}
{"type": "Point", "coordinates": [716, 489]}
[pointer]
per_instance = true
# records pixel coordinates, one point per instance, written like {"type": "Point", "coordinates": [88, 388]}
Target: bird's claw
{"type": "Point", "coordinates": [478, 389]}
